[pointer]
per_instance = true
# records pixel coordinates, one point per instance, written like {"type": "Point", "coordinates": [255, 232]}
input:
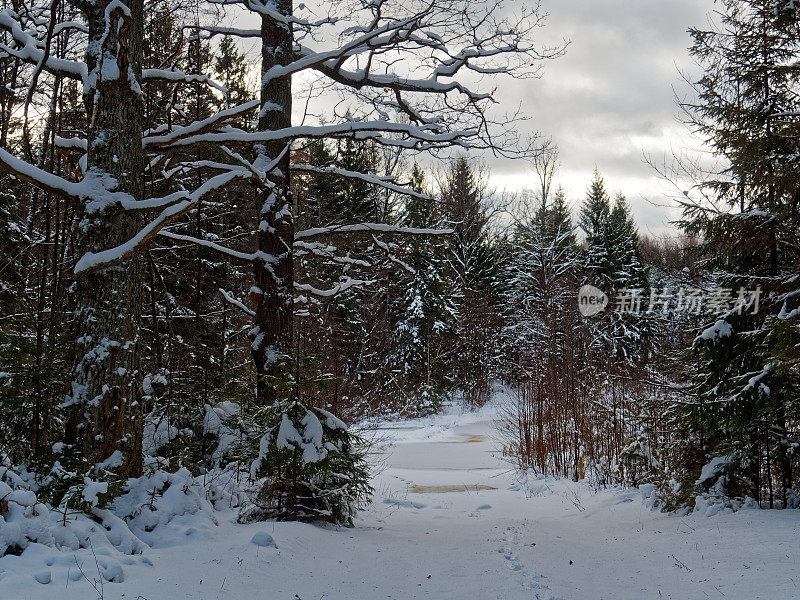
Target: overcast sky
{"type": "Point", "coordinates": [608, 101]}
{"type": "Point", "coordinates": [611, 98]}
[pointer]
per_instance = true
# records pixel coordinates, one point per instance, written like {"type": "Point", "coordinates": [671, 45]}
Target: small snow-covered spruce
{"type": "Point", "coordinates": [308, 468]}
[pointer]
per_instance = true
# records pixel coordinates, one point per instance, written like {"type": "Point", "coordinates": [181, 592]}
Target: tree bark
{"type": "Point", "coordinates": [106, 377]}
{"type": "Point", "coordinates": [273, 269]}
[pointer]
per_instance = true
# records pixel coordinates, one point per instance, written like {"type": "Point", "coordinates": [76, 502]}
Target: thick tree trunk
{"type": "Point", "coordinates": [106, 379]}
{"type": "Point", "coordinates": [272, 334]}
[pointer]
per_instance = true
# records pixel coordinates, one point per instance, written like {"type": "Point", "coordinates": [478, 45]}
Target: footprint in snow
{"type": "Point", "coordinates": [43, 577]}
{"type": "Point", "coordinates": [404, 503]}
{"type": "Point", "coordinates": [529, 581]}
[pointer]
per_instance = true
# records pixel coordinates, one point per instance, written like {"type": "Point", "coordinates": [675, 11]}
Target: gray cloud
{"type": "Point", "coordinates": [607, 102]}
{"type": "Point", "coordinates": [611, 98]}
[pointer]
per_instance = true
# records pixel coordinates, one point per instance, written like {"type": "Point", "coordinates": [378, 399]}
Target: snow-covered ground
{"type": "Point", "coordinates": [449, 521]}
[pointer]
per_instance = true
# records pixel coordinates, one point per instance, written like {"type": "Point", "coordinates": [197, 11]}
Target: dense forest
{"type": "Point", "coordinates": [194, 280]}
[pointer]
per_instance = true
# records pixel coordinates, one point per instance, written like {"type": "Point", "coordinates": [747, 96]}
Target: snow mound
{"type": "Point", "coordinates": [159, 499]}
{"type": "Point", "coordinates": [710, 505]}
{"type": "Point", "coordinates": [263, 540]}
{"type": "Point", "coordinates": [716, 502]}
{"type": "Point", "coordinates": [157, 510]}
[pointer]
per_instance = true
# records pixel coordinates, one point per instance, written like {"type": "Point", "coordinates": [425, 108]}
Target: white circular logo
{"type": "Point", "coordinates": [591, 301]}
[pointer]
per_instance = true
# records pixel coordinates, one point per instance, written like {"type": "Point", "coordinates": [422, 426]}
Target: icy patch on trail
{"type": "Point", "coordinates": [431, 427]}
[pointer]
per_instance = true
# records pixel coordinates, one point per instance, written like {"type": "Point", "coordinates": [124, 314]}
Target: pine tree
{"type": "Point", "coordinates": [627, 269]}
{"type": "Point", "coordinates": [427, 312]}
{"type": "Point", "coordinates": [742, 368]}
{"type": "Point", "coordinates": [355, 199]}
{"type": "Point", "coordinates": [541, 279]}
{"type": "Point", "coordinates": [594, 217]}
{"type": "Point", "coordinates": [230, 65]}
{"type": "Point", "coordinates": [476, 271]}
{"type": "Point", "coordinates": [612, 262]}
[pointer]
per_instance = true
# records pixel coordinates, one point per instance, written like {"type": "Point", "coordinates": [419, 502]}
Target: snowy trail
{"type": "Point", "coordinates": [491, 539]}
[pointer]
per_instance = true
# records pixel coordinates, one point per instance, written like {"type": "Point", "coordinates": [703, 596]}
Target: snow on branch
{"type": "Point", "coordinates": [267, 8]}
{"type": "Point", "coordinates": [94, 188]}
{"type": "Point", "coordinates": [390, 255]}
{"type": "Point", "coordinates": [181, 77]}
{"type": "Point", "coordinates": [97, 260]}
{"type": "Point", "coordinates": [237, 303]}
{"type": "Point", "coordinates": [369, 178]}
{"type": "Point", "coordinates": [367, 227]}
{"type": "Point", "coordinates": [427, 133]}
{"type": "Point", "coordinates": [337, 288]}
{"type": "Point", "coordinates": [390, 81]}
{"type": "Point", "coordinates": [327, 251]}
{"type": "Point", "coordinates": [311, 59]}
{"type": "Point", "coordinates": [27, 49]}
{"type": "Point", "coordinates": [161, 136]}
{"type": "Point", "coordinates": [208, 244]}
{"type": "Point", "coordinates": [70, 143]}
{"type": "Point", "coordinates": [231, 31]}
{"type": "Point", "coordinates": [37, 177]}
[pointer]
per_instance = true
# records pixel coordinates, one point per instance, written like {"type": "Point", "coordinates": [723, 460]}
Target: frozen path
{"type": "Point", "coordinates": [449, 522]}
{"type": "Point", "coordinates": [456, 487]}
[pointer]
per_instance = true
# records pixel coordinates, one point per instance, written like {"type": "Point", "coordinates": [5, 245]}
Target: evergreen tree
{"type": "Point", "coordinates": [541, 281]}
{"type": "Point", "coordinates": [612, 262]}
{"type": "Point", "coordinates": [627, 269]}
{"type": "Point", "coordinates": [476, 269]}
{"type": "Point", "coordinates": [333, 329]}
{"type": "Point", "coordinates": [190, 328]}
{"type": "Point", "coordinates": [556, 223]}
{"type": "Point", "coordinates": [545, 337]}
{"type": "Point", "coordinates": [355, 199]}
{"type": "Point", "coordinates": [230, 65]}
{"type": "Point", "coordinates": [594, 217]}
{"type": "Point", "coordinates": [427, 312]}
{"type": "Point", "coordinates": [742, 366]}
